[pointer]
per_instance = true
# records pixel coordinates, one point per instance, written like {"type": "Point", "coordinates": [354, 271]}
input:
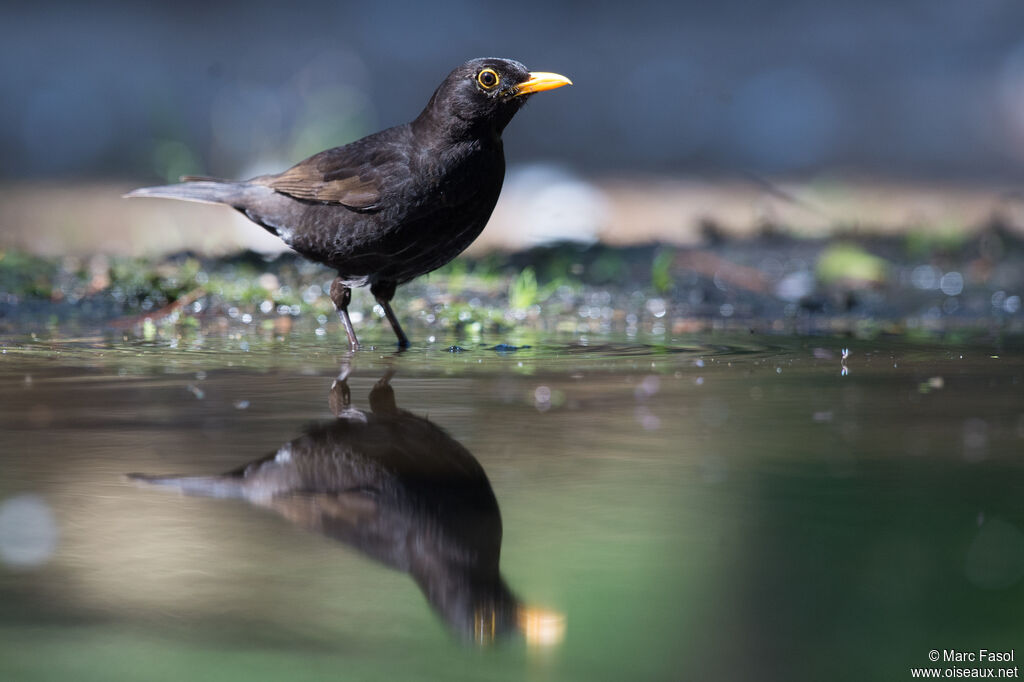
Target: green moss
{"type": "Point", "coordinates": [661, 270]}
{"type": "Point", "coordinates": [943, 238]}
{"type": "Point", "coordinates": [25, 275]}
{"type": "Point", "coordinates": [523, 291]}
{"type": "Point", "coordinates": [850, 263]}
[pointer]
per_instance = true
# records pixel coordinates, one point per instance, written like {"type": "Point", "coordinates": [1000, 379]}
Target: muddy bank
{"type": "Point", "coordinates": [768, 283]}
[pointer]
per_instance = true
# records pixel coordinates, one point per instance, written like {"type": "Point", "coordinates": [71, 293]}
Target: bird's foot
{"type": "Point", "coordinates": [340, 397]}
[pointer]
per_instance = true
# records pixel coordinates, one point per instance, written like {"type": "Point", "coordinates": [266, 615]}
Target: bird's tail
{"type": "Point", "coordinates": [200, 486]}
{"type": "Point", "coordinates": [203, 191]}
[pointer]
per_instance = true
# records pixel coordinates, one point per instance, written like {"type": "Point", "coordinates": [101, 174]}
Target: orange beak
{"type": "Point", "coordinates": [542, 627]}
{"type": "Point", "coordinates": [540, 81]}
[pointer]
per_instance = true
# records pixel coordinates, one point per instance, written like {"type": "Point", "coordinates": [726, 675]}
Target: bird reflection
{"type": "Point", "coordinates": [398, 488]}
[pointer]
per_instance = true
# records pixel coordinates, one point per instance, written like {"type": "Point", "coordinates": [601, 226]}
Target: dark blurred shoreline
{"type": "Point", "coordinates": [959, 287]}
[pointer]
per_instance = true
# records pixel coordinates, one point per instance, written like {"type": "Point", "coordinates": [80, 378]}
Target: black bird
{"type": "Point", "coordinates": [396, 204]}
{"type": "Point", "coordinates": [398, 488]}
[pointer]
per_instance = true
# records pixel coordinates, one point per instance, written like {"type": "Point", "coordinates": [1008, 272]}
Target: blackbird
{"type": "Point", "coordinates": [396, 204]}
{"type": "Point", "coordinates": [397, 487]}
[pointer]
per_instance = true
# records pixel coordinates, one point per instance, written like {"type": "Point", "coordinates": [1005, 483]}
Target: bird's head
{"type": "Point", "coordinates": [483, 95]}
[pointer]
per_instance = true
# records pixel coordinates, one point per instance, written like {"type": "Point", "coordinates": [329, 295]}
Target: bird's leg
{"type": "Point", "coordinates": [382, 395]}
{"type": "Point", "coordinates": [340, 397]}
{"type": "Point", "coordinates": [384, 292]}
{"type": "Point", "coordinates": [403, 340]}
{"type": "Point", "coordinates": [342, 296]}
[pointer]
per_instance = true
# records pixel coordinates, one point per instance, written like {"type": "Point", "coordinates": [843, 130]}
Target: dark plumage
{"type": "Point", "coordinates": [396, 487]}
{"type": "Point", "coordinates": [396, 204]}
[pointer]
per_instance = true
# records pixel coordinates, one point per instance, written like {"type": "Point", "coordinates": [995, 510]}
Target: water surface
{"type": "Point", "coordinates": [719, 509]}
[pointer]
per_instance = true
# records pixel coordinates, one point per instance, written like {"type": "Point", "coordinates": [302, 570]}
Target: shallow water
{"type": "Point", "coordinates": [719, 509]}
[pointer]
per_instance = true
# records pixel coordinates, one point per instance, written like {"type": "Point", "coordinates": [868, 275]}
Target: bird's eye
{"type": "Point", "coordinates": [488, 78]}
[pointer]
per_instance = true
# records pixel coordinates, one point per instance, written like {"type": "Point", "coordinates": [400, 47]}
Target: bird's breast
{"type": "Point", "coordinates": [432, 213]}
{"type": "Point", "coordinates": [456, 175]}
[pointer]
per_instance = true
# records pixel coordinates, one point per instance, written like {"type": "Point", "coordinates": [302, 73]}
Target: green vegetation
{"type": "Point", "coordinates": [852, 264]}
{"type": "Point", "coordinates": [944, 238]}
{"type": "Point", "coordinates": [661, 270]}
{"type": "Point", "coordinates": [522, 292]}
{"type": "Point", "coordinates": [862, 285]}
{"type": "Point", "coordinates": [28, 276]}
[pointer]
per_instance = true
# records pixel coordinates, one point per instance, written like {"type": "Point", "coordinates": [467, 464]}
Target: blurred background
{"type": "Point", "coordinates": [874, 112]}
{"type": "Point", "coordinates": [152, 90]}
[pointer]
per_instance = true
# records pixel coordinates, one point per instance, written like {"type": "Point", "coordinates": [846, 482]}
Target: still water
{"type": "Point", "coordinates": [762, 509]}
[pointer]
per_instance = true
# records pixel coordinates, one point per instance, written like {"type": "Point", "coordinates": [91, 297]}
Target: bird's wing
{"type": "Point", "coordinates": [330, 513]}
{"type": "Point", "coordinates": [352, 175]}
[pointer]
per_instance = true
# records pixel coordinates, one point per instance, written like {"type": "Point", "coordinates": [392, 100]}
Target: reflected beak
{"type": "Point", "coordinates": [541, 627]}
{"type": "Point", "coordinates": [541, 80]}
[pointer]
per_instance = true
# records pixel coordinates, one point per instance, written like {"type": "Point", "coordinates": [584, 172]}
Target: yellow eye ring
{"type": "Point", "coordinates": [488, 79]}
